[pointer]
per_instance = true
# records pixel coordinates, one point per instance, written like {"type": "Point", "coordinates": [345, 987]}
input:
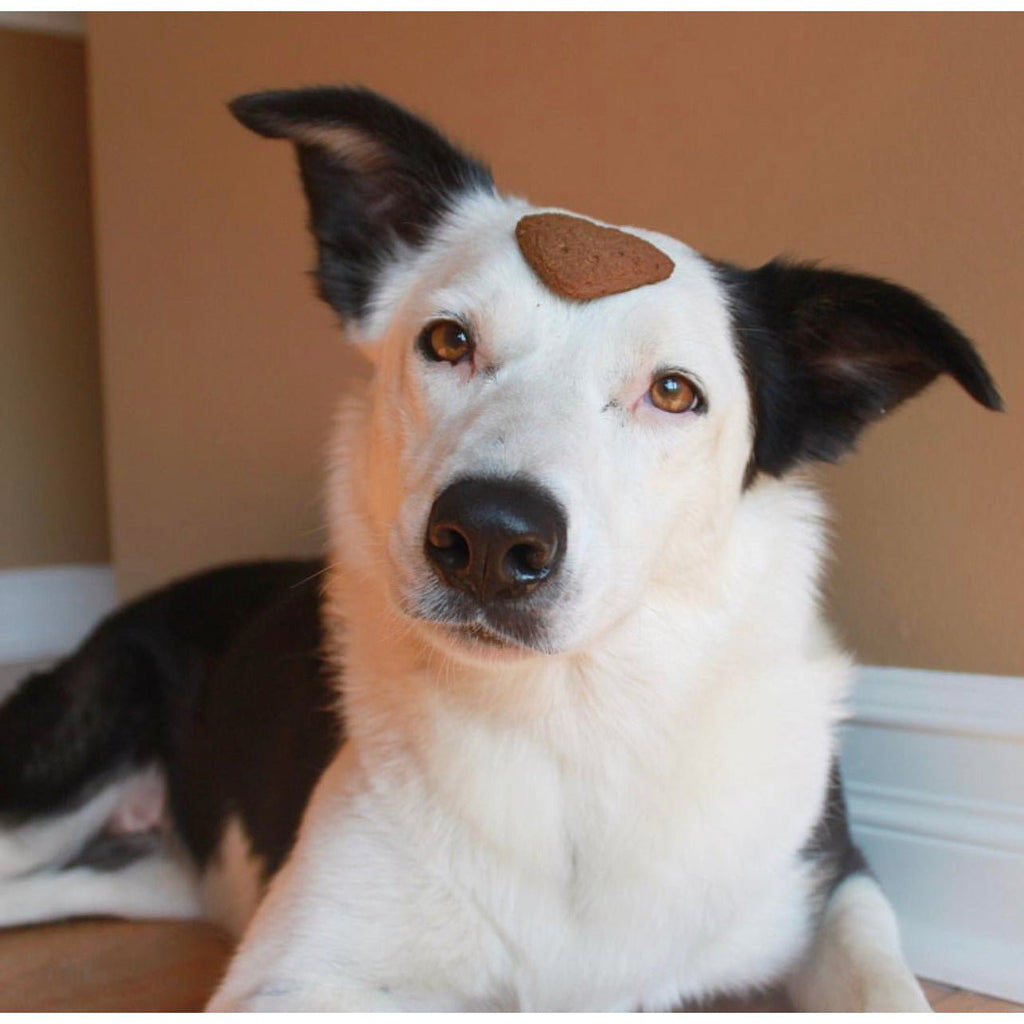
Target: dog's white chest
{"type": "Point", "coordinates": [652, 917]}
{"type": "Point", "coordinates": [622, 876]}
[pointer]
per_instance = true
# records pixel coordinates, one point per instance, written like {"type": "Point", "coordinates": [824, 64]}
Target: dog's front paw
{"type": "Point", "coordinates": [266, 998]}
{"type": "Point", "coordinates": [296, 997]}
{"type": "Point", "coordinates": [899, 993]}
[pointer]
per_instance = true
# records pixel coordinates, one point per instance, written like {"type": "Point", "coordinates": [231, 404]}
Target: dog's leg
{"type": "Point", "coordinates": [151, 887]}
{"type": "Point", "coordinates": [53, 839]}
{"type": "Point", "coordinates": [300, 954]}
{"type": "Point", "coordinates": [132, 803]}
{"type": "Point", "coordinates": [855, 963]}
{"type": "Point", "coordinates": [95, 859]}
{"type": "Point", "coordinates": [360, 917]}
{"type": "Point", "coordinates": [306, 996]}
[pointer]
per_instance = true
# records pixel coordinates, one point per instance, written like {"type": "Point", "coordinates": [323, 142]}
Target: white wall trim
{"type": "Point", "coordinates": [934, 770]}
{"type": "Point", "coordinates": [943, 702]}
{"type": "Point", "coordinates": [54, 23]}
{"type": "Point", "coordinates": [48, 610]}
{"type": "Point", "coordinates": [987, 824]}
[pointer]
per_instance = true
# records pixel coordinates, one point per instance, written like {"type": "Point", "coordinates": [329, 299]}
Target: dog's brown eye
{"type": "Point", "coordinates": [672, 392]}
{"type": "Point", "coordinates": [445, 341]}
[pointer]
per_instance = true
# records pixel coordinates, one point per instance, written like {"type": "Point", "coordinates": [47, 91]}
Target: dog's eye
{"type": "Point", "coordinates": [445, 341]}
{"type": "Point", "coordinates": [672, 392]}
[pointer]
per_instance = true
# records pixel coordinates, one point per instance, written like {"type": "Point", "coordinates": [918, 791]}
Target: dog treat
{"type": "Point", "coordinates": [582, 260]}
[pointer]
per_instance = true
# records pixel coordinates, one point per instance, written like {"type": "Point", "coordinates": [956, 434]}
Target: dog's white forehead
{"type": "Point", "coordinates": [474, 268]}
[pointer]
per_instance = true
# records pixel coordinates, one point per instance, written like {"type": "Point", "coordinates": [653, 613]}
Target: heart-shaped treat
{"type": "Point", "coordinates": [582, 260]}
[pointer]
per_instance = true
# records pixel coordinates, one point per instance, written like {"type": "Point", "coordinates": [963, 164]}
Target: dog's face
{"type": "Point", "coordinates": [563, 418]}
{"type": "Point", "coordinates": [601, 444]}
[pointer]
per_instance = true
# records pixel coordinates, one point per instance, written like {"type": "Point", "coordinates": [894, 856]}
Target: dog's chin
{"type": "Point", "coordinates": [478, 642]}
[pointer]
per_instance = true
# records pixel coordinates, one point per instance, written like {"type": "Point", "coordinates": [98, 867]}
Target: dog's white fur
{"type": "Point", "coordinates": [617, 821]}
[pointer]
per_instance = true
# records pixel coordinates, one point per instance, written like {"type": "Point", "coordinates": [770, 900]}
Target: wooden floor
{"type": "Point", "coordinates": [108, 966]}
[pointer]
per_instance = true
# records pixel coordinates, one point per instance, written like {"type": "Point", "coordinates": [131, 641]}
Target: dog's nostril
{"type": "Point", "coordinates": [528, 562]}
{"type": "Point", "coordinates": [449, 546]}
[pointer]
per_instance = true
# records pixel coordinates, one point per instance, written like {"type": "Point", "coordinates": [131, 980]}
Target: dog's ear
{"type": "Point", "coordinates": [826, 353]}
{"type": "Point", "coordinates": [375, 176]}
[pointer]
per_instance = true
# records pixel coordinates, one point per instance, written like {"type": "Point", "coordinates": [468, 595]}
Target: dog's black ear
{"type": "Point", "coordinates": [826, 353]}
{"type": "Point", "coordinates": [375, 177]}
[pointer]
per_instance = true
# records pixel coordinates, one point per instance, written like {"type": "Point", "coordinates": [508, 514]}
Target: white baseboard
{"type": "Point", "coordinates": [934, 769]}
{"type": "Point", "coordinates": [57, 23]}
{"type": "Point", "coordinates": [48, 610]}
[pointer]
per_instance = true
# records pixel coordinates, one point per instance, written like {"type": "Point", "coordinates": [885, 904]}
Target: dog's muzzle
{"type": "Point", "coordinates": [496, 539]}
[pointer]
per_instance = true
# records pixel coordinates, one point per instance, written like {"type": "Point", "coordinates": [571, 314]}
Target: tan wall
{"type": "Point", "coordinates": [52, 506]}
{"type": "Point", "coordinates": [888, 143]}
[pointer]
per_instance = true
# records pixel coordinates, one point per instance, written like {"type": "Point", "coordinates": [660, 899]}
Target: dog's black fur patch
{"type": "Point", "coordinates": [65, 731]}
{"type": "Point", "coordinates": [403, 177]}
{"type": "Point", "coordinates": [264, 724]}
{"type": "Point", "coordinates": [218, 678]}
{"type": "Point", "coordinates": [828, 352]}
{"type": "Point", "coordinates": [831, 846]}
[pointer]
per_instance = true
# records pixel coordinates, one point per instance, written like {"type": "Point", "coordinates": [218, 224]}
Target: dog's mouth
{"type": "Point", "coordinates": [456, 623]}
{"type": "Point", "coordinates": [476, 633]}
{"type": "Point", "coordinates": [478, 637]}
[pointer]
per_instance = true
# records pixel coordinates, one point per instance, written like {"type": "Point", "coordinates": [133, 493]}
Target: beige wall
{"type": "Point", "coordinates": [52, 507]}
{"type": "Point", "coordinates": [888, 143]}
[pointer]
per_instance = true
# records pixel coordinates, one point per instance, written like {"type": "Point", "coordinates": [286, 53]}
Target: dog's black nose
{"type": "Point", "coordinates": [495, 538]}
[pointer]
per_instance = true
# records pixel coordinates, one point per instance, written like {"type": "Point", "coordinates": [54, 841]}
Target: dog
{"type": "Point", "coordinates": [553, 726]}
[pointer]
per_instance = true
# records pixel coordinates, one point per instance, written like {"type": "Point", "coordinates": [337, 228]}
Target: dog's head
{"type": "Point", "coordinates": [564, 415]}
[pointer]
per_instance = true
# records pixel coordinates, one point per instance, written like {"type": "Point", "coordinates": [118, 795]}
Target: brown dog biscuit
{"type": "Point", "coordinates": [583, 260]}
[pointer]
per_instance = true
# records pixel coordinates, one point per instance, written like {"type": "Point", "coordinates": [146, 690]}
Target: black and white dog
{"type": "Point", "coordinates": [555, 728]}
